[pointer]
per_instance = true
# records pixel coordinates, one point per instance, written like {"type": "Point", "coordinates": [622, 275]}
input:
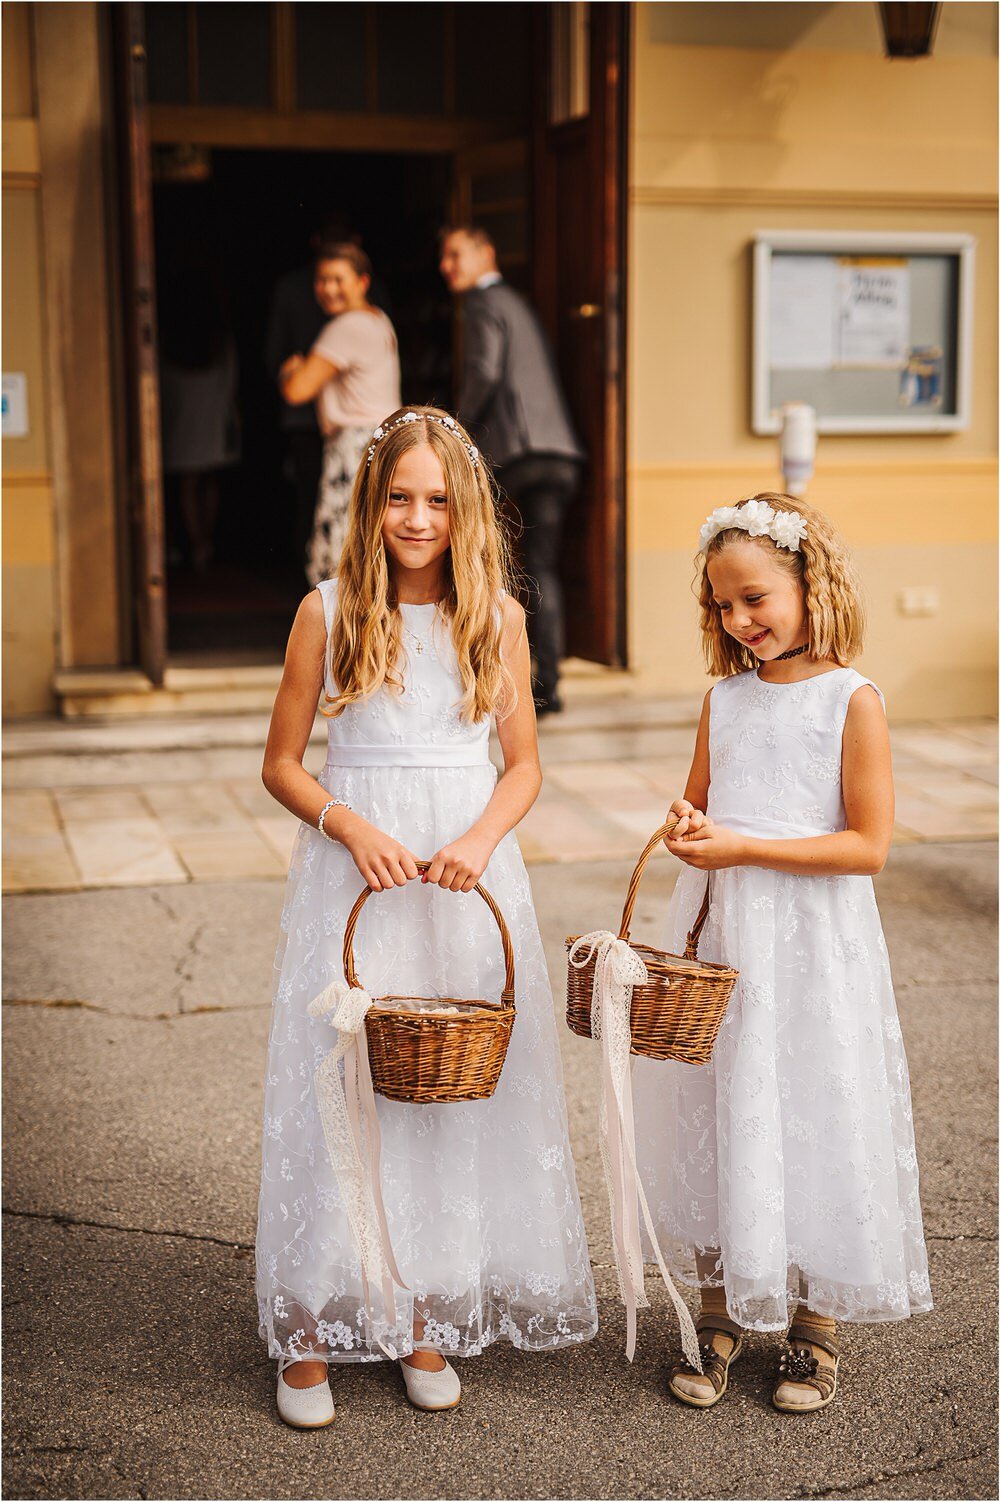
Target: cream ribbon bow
{"type": "Point", "coordinates": [348, 1117]}
{"type": "Point", "coordinates": [617, 968]}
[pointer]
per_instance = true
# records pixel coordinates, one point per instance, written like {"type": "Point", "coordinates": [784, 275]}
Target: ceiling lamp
{"type": "Point", "coordinates": [909, 29]}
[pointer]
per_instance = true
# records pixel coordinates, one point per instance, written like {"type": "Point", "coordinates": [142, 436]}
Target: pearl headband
{"type": "Point", "coordinates": [784, 528]}
{"type": "Point", "coordinates": [408, 417]}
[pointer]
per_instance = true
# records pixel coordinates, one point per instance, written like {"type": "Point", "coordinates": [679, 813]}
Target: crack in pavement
{"type": "Point", "coordinates": [160, 901]}
{"type": "Point", "coordinates": [963, 1236]}
{"type": "Point", "coordinates": [182, 969]}
{"type": "Point", "coordinates": [53, 1450]}
{"type": "Point", "coordinates": [930, 985]}
{"type": "Point", "coordinates": [60, 1003]}
{"type": "Point", "coordinates": [847, 1487]}
{"type": "Point", "coordinates": [58, 1218]}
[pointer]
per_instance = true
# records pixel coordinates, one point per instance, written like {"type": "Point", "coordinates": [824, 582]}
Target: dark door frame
{"type": "Point", "coordinates": [144, 469]}
{"type": "Point", "coordinates": [602, 137]}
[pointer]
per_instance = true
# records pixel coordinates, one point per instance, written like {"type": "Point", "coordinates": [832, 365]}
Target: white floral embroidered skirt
{"type": "Point", "coordinates": [482, 1203]}
{"type": "Point", "coordinates": [788, 1161]}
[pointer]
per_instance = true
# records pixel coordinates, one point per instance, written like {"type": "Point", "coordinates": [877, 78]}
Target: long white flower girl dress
{"type": "Point", "coordinates": [481, 1198]}
{"type": "Point", "coordinates": [790, 1156]}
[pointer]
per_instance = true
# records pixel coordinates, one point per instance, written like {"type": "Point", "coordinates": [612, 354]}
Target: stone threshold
{"type": "Point", "coordinates": [127, 693]}
{"type": "Point", "coordinates": [227, 688]}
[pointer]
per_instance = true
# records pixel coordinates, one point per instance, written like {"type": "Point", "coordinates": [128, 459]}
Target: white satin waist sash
{"type": "Point", "coordinates": [768, 829]}
{"type": "Point", "coordinates": [463, 754]}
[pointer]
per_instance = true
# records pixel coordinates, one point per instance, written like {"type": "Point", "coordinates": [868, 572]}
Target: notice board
{"type": "Point", "coordinates": [873, 330]}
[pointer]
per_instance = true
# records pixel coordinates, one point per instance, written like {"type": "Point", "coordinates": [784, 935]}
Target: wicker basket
{"type": "Point", "coordinates": [677, 1013]}
{"type": "Point", "coordinates": [418, 1056]}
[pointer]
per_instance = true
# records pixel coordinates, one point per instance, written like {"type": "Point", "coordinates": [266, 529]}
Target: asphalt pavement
{"type": "Point", "coordinates": [136, 1026]}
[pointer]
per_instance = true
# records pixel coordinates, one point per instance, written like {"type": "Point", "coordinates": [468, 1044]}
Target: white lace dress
{"type": "Point", "coordinates": [791, 1154]}
{"type": "Point", "coordinates": [482, 1204]}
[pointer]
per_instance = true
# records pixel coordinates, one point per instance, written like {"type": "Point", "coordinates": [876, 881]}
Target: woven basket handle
{"type": "Point", "coordinates": [663, 833]}
{"type": "Point", "coordinates": [507, 995]}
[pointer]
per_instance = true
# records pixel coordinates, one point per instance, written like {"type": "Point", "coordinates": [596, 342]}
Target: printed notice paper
{"type": "Point", "coordinates": [873, 298]}
{"type": "Point", "coordinates": [803, 312]}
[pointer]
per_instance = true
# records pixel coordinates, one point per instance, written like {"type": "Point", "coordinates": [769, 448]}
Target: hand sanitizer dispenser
{"type": "Point", "coordinates": [798, 446]}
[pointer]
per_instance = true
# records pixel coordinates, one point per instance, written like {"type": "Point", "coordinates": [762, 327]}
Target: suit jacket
{"type": "Point", "coordinates": [510, 397]}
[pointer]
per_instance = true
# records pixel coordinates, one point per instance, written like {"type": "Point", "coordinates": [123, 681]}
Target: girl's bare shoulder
{"type": "Point", "coordinates": [513, 613]}
{"type": "Point", "coordinates": [311, 608]}
{"type": "Point", "coordinates": [309, 627]}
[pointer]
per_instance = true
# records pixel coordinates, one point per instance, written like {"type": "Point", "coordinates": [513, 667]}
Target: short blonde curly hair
{"type": "Point", "coordinates": [823, 566]}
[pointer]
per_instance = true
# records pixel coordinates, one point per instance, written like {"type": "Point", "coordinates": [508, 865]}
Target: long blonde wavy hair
{"type": "Point", "coordinates": [831, 589]}
{"type": "Point", "coordinates": [365, 641]}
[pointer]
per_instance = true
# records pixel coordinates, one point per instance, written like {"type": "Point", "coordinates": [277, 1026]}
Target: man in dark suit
{"type": "Point", "coordinates": [511, 400]}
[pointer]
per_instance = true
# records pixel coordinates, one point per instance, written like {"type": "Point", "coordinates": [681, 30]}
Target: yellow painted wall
{"type": "Point", "coordinates": [750, 117]}
{"type": "Point", "coordinates": [29, 622]}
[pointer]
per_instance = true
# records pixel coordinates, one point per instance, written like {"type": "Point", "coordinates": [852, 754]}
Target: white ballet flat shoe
{"type": "Point", "coordinates": [432, 1391]}
{"type": "Point", "coordinates": [305, 1407]}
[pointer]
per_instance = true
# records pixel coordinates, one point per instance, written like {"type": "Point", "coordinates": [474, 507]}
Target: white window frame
{"type": "Point", "coordinates": [845, 242]}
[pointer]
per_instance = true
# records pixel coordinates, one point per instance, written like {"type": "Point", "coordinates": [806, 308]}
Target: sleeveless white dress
{"type": "Point", "coordinates": [481, 1198]}
{"type": "Point", "coordinates": [790, 1156]}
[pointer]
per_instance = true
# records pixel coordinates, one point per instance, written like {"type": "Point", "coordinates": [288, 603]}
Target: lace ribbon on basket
{"type": "Point", "coordinates": [617, 968]}
{"type": "Point", "coordinates": [354, 1140]}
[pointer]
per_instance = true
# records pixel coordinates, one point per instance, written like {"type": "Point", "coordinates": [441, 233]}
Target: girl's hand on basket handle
{"type": "Point", "coordinates": [458, 866]}
{"type": "Point", "coordinates": [711, 847]}
{"type": "Point", "coordinates": [689, 819]}
{"type": "Point", "coordinates": [382, 861]}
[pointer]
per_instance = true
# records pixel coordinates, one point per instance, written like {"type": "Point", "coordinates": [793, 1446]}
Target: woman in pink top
{"type": "Point", "coordinates": [352, 374]}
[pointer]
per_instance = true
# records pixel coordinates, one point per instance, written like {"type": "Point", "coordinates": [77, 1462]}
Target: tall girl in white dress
{"type": "Point", "coordinates": [414, 645]}
{"type": "Point", "coordinates": [782, 1175]}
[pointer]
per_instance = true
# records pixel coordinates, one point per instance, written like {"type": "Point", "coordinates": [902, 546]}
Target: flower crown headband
{"type": "Point", "coordinates": [408, 417]}
{"type": "Point", "coordinates": [785, 528]}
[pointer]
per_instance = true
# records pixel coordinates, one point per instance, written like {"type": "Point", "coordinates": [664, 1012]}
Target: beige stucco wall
{"type": "Point", "coordinates": [61, 606]}
{"type": "Point", "coordinates": [814, 130]}
{"type": "Point", "coordinates": [28, 524]}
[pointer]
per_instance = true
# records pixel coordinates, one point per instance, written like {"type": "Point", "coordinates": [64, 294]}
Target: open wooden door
{"type": "Point", "coordinates": [145, 475]}
{"type": "Point", "coordinates": [580, 179]}
{"type": "Point", "coordinates": [491, 186]}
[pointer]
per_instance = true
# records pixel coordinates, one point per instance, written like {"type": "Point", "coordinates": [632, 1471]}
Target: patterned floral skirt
{"type": "Point", "coordinates": [785, 1168]}
{"type": "Point", "coordinates": [342, 453]}
{"type": "Point", "coordinates": [482, 1203]}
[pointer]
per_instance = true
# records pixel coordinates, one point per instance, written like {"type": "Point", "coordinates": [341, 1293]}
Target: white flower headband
{"type": "Point", "coordinates": [407, 417]}
{"type": "Point", "coordinates": [785, 528]}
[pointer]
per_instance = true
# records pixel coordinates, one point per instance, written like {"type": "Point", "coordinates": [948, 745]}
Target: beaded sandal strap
{"type": "Point", "coordinates": [719, 1322]}
{"type": "Point", "coordinates": [799, 1330]}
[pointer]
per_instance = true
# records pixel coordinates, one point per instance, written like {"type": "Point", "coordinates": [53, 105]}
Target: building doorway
{"type": "Point", "coordinates": [235, 221]}
{"type": "Point", "coordinates": [231, 133]}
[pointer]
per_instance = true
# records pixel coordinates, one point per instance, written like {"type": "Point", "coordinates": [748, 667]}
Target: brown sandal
{"type": "Point", "coordinates": [715, 1366]}
{"type": "Point", "coordinates": [799, 1366]}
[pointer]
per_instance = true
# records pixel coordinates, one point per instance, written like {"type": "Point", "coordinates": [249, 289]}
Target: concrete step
{"type": "Point", "coordinates": [127, 693]}
{"type": "Point", "coordinates": [115, 734]}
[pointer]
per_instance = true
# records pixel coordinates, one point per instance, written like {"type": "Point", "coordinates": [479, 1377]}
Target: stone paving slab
{"type": "Point", "coordinates": [200, 815]}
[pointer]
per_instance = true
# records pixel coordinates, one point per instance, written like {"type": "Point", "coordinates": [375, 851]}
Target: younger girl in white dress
{"type": "Point", "coordinates": [416, 643]}
{"type": "Point", "coordinates": [782, 1175]}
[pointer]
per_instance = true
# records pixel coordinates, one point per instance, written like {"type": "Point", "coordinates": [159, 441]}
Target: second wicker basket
{"type": "Point", "coordinates": [677, 1013]}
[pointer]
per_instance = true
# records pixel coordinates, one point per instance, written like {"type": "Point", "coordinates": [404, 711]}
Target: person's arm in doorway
{"type": "Point", "coordinates": [303, 378]}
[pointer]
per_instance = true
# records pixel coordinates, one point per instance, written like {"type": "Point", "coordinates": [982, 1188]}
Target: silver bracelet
{"type": "Point", "coordinates": [333, 803]}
